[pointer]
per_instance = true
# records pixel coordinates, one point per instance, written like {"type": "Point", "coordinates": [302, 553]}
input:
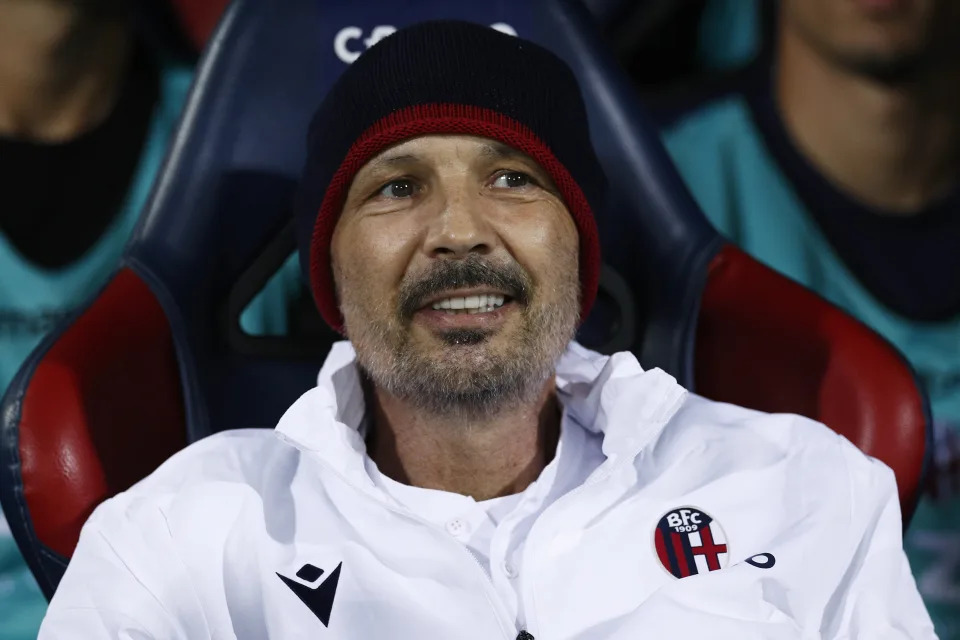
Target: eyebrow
{"type": "Point", "coordinates": [496, 149]}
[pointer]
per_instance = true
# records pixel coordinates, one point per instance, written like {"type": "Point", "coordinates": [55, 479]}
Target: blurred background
{"type": "Point", "coordinates": [821, 136]}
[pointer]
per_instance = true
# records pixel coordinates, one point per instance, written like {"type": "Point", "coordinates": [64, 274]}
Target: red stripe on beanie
{"type": "Point", "coordinates": [419, 120]}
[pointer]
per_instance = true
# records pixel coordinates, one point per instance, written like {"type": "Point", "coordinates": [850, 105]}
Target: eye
{"type": "Point", "coordinates": [512, 180]}
{"type": "Point", "coordinates": [396, 189]}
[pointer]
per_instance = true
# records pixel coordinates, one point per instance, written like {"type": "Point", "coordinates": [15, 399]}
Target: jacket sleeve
{"type": "Point", "coordinates": [877, 597]}
{"type": "Point", "coordinates": [124, 581]}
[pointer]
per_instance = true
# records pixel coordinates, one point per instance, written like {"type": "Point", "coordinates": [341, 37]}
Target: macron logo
{"type": "Point", "coordinates": [319, 599]}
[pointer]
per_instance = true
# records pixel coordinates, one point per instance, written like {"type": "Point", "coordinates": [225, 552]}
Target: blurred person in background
{"type": "Point", "coordinates": [835, 161]}
{"type": "Point", "coordinates": [688, 39]}
{"type": "Point", "coordinates": [86, 111]}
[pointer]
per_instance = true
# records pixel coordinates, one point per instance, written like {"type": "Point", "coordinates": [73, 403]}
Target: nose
{"type": "Point", "coordinates": [459, 228]}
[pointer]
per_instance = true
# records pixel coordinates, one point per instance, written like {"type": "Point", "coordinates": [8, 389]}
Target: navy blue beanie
{"type": "Point", "coordinates": [447, 77]}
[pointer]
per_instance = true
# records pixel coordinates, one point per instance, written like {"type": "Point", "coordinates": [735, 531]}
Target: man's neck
{"type": "Point", "coordinates": [483, 458]}
{"type": "Point", "coordinates": [890, 147]}
{"type": "Point", "coordinates": [61, 68]}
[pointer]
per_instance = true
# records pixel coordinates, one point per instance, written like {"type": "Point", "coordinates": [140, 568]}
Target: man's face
{"type": "Point", "coordinates": [456, 265]}
{"type": "Point", "coordinates": [889, 40]}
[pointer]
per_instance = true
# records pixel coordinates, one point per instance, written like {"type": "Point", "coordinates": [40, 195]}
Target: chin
{"type": "Point", "coordinates": [461, 350]}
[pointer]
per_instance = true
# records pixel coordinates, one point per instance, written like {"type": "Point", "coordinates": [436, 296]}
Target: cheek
{"type": "Point", "coordinates": [369, 259]}
{"type": "Point", "coordinates": [547, 244]}
{"type": "Point", "coordinates": [566, 252]}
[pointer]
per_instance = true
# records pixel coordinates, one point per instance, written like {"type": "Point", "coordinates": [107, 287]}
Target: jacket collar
{"type": "Point", "coordinates": [611, 395]}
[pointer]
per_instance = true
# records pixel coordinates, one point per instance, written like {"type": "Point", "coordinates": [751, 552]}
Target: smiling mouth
{"type": "Point", "coordinates": [462, 305]}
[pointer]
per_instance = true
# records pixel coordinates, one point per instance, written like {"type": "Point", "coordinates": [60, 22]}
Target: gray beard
{"type": "Point", "coordinates": [470, 380]}
{"type": "Point", "coordinates": [472, 383]}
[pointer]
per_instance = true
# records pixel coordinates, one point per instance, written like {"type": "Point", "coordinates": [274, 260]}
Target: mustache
{"type": "Point", "coordinates": [473, 271]}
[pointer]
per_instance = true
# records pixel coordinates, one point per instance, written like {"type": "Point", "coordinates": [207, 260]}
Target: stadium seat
{"type": "Point", "coordinates": [198, 18]}
{"type": "Point", "coordinates": [159, 359]}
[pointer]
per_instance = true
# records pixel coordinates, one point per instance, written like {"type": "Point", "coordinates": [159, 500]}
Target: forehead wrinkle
{"type": "Point", "coordinates": [391, 160]}
{"type": "Point", "coordinates": [496, 149]}
{"type": "Point", "coordinates": [488, 149]}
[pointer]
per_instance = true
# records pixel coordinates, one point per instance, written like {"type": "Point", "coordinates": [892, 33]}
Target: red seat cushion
{"type": "Point", "coordinates": [102, 410]}
{"type": "Point", "coordinates": [199, 18]}
{"type": "Point", "coordinates": [768, 343]}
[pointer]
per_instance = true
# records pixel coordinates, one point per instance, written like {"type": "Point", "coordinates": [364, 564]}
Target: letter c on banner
{"type": "Point", "coordinates": [340, 43]}
{"type": "Point", "coordinates": [349, 53]}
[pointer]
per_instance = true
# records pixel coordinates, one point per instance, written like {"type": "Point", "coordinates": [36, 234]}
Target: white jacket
{"type": "Point", "coordinates": [792, 533]}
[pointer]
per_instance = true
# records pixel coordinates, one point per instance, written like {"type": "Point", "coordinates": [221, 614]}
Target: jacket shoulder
{"type": "Point", "coordinates": [222, 469]}
{"type": "Point", "coordinates": [239, 455]}
{"type": "Point", "coordinates": [803, 448]}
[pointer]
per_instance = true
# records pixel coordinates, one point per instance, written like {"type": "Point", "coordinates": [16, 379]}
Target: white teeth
{"type": "Point", "coordinates": [471, 304]}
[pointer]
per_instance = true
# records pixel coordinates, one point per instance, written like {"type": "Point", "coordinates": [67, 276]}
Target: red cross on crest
{"type": "Point", "coordinates": [689, 541]}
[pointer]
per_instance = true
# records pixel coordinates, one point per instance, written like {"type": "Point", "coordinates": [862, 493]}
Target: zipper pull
{"type": "Point", "coordinates": [525, 635]}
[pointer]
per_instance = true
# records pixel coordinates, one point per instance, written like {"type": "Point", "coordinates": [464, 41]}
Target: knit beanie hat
{"type": "Point", "coordinates": [447, 77]}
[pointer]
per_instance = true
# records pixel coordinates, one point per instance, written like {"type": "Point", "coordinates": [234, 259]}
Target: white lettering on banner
{"type": "Point", "coordinates": [347, 49]}
{"type": "Point", "coordinates": [347, 53]}
{"type": "Point", "coordinates": [503, 27]}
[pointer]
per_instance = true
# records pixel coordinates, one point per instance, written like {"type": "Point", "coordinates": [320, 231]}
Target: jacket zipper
{"type": "Point", "coordinates": [604, 472]}
{"type": "Point", "coordinates": [523, 634]}
{"type": "Point", "coordinates": [490, 591]}
{"type": "Point", "coordinates": [611, 466]}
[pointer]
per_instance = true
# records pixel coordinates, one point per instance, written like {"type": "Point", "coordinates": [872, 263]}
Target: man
{"type": "Point", "coordinates": [462, 469]}
{"type": "Point", "coordinates": [836, 163]}
{"type": "Point", "coordinates": [85, 114]}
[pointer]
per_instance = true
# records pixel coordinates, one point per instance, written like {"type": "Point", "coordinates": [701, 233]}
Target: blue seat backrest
{"type": "Point", "coordinates": [223, 198]}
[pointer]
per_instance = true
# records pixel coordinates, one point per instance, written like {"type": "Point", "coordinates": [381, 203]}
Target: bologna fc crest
{"type": "Point", "coordinates": [688, 542]}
